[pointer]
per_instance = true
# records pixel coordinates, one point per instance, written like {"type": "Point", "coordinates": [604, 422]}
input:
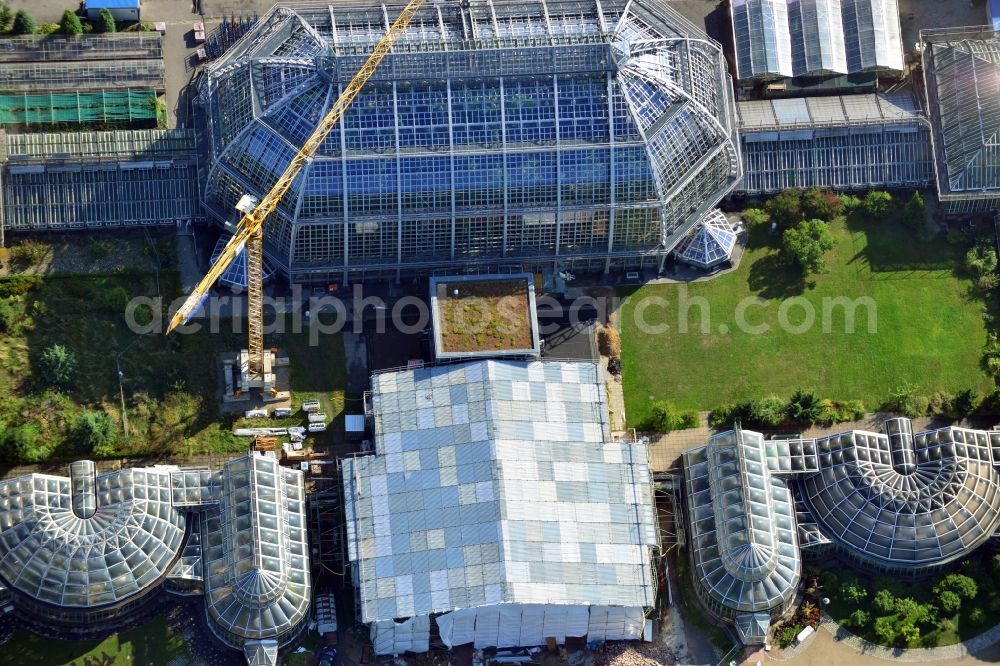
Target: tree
{"type": "Point", "coordinates": [24, 23]}
{"type": "Point", "coordinates": [786, 208]}
{"type": "Point", "coordinates": [885, 629]}
{"type": "Point", "coordinates": [6, 17]}
{"type": "Point", "coordinates": [884, 602]}
{"type": "Point", "coordinates": [804, 407]}
{"type": "Point", "coordinates": [950, 602]}
{"type": "Point", "coordinates": [915, 212]}
{"type": "Point", "coordinates": [821, 204]}
{"type": "Point", "coordinates": [877, 204]}
{"type": "Point", "coordinates": [755, 217]}
{"type": "Point", "coordinates": [105, 21]}
{"type": "Point", "coordinates": [58, 366]}
{"type": "Point", "coordinates": [70, 24]}
{"type": "Point", "coordinates": [96, 433]}
{"type": "Point", "coordinates": [806, 243]}
{"type": "Point", "coordinates": [961, 584]}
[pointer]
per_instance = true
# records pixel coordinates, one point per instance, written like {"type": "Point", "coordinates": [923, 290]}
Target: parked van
{"type": "Point", "coordinates": [256, 414]}
{"type": "Point", "coordinates": [317, 427]}
{"type": "Point", "coordinates": [282, 412]}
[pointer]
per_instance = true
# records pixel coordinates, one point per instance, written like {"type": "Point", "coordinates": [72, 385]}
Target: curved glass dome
{"type": "Point", "coordinates": [710, 244]}
{"type": "Point", "coordinates": [904, 501]}
{"type": "Point", "coordinates": [87, 540]}
{"type": "Point", "coordinates": [742, 527]}
{"type": "Point", "coordinates": [492, 132]}
{"type": "Point", "coordinates": [255, 550]}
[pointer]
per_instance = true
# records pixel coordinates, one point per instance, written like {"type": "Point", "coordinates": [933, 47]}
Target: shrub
{"type": "Point", "coordinates": [950, 602]}
{"type": "Point", "coordinates": [977, 616]}
{"type": "Point", "coordinates": [981, 259]}
{"type": "Point", "coordinates": [906, 401]}
{"type": "Point", "coordinates": [113, 300]}
{"type": "Point", "coordinates": [95, 433]}
{"type": "Point", "coordinates": [963, 404]}
{"type": "Point", "coordinates": [885, 630]}
{"type": "Point", "coordinates": [28, 253]}
{"type": "Point", "coordinates": [804, 407]}
{"type": "Point", "coordinates": [58, 366]}
{"type": "Point", "coordinates": [877, 205]}
{"type": "Point", "coordinates": [859, 619]}
{"type": "Point", "coordinates": [18, 285]}
{"type": "Point", "coordinates": [806, 243]}
{"type": "Point", "coordinates": [70, 24]}
{"type": "Point", "coordinates": [915, 212]}
{"type": "Point", "coordinates": [786, 208]}
{"type": "Point", "coordinates": [769, 411]}
{"type": "Point", "coordinates": [961, 584]}
{"type": "Point", "coordinates": [995, 563]}
{"type": "Point", "coordinates": [105, 21]}
{"type": "Point", "coordinates": [787, 635]}
{"type": "Point", "coordinates": [853, 592]}
{"type": "Point", "coordinates": [940, 403]}
{"type": "Point", "coordinates": [884, 602]}
{"type": "Point", "coordinates": [987, 283]}
{"type": "Point", "coordinates": [850, 202]}
{"type": "Point", "coordinates": [609, 341]}
{"type": "Point", "coordinates": [7, 316]}
{"type": "Point", "coordinates": [851, 410]}
{"type": "Point", "coordinates": [754, 217]}
{"type": "Point", "coordinates": [24, 23]}
{"type": "Point", "coordinates": [665, 417]}
{"type": "Point", "coordinates": [821, 204]}
{"type": "Point", "coordinates": [21, 444]}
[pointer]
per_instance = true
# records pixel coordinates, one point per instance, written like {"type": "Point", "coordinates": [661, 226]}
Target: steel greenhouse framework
{"type": "Point", "coordinates": [894, 502]}
{"type": "Point", "coordinates": [853, 142]}
{"type": "Point", "coordinates": [82, 552]}
{"type": "Point", "coordinates": [962, 82]}
{"type": "Point", "coordinates": [79, 180]}
{"type": "Point", "coordinates": [500, 136]}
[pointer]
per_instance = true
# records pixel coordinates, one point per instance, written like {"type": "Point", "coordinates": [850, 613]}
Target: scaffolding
{"type": "Point", "coordinates": [78, 108]}
{"type": "Point", "coordinates": [849, 143]}
{"type": "Point", "coordinates": [563, 155]}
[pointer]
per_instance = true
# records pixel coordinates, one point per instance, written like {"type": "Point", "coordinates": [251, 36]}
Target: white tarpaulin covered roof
{"type": "Point", "coordinates": [496, 483]}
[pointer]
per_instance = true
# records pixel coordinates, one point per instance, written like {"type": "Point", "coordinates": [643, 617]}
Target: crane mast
{"type": "Point", "coordinates": [250, 229]}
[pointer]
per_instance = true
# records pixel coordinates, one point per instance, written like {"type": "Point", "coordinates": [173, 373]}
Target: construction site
{"type": "Point", "coordinates": [462, 490]}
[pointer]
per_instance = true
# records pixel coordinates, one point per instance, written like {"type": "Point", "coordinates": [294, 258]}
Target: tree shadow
{"type": "Point", "coordinates": [774, 276]}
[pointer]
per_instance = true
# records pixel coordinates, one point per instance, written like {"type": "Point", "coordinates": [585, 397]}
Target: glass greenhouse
{"type": "Point", "coordinates": [892, 502]}
{"type": "Point", "coordinates": [742, 531]}
{"type": "Point", "coordinates": [496, 497]}
{"type": "Point", "coordinates": [83, 552]}
{"type": "Point", "coordinates": [785, 38]}
{"type": "Point", "coordinates": [853, 142]}
{"type": "Point", "coordinates": [962, 80]}
{"type": "Point", "coordinates": [710, 244]}
{"type": "Point", "coordinates": [518, 135]}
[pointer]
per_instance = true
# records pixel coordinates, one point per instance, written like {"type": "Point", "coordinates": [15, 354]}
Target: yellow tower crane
{"type": "Point", "coordinates": [249, 230]}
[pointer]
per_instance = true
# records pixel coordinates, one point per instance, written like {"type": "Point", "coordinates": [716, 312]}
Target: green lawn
{"type": "Point", "coordinates": [929, 332]}
{"type": "Point", "coordinates": [152, 644]}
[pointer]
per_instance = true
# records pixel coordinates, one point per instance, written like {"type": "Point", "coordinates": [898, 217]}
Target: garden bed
{"type": "Point", "coordinates": [483, 316]}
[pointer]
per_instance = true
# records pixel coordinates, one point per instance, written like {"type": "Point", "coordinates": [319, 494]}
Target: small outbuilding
{"type": "Point", "coordinates": [122, 11]}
